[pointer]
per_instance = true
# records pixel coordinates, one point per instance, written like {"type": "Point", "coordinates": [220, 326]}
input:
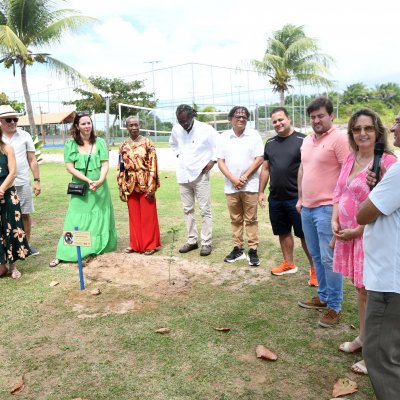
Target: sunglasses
{"type": "Point", "coordinates": [9, 120]}
{"type": "Point", "coordinates": [367, 129]}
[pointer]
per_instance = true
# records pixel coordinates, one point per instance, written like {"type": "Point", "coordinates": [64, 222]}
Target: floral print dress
{"type": "Point", "coordinates": [14, 245]}
{"type": "Point", "coordinates": [348, 256]}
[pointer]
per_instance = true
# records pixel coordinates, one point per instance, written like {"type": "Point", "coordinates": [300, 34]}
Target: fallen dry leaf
{"type": "Point", "coordinates": [344, 386]}
{"type": "Point", "coordinates": [95, 292]}
{"type": "Point", "coordinates": [163, 330]}
{"type": "Point", "coordinates": [54, 283]}
{"type": "Point", "coordinates": [265, 353]}
{"type": "Point", "coordinates": [19, 386]}
{"type": "Point", "coordinates": [352, 326]}
{"type": "Point", "coordinates": [223, 329]}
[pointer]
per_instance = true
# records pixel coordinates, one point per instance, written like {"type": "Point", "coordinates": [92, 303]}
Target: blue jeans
{"type": "Point", "coordinates": [318, 233]}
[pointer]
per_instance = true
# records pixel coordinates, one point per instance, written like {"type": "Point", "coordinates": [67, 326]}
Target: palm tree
{"type": "Point", "coordinates": [28, 25]}
{"type": "Point", "coordinates": [291, 55]}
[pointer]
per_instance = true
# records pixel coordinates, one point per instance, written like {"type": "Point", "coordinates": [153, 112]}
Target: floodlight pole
{"type": "Point", "coordinates": [48, 97]}
{"type": "Point", "coordinates": [154, 95]}
{"type": "Point", "coordinates": [108, 122]}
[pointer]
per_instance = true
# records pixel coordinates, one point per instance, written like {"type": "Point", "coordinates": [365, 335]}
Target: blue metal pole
{"type": "Point", "coordinates": [78, 251]}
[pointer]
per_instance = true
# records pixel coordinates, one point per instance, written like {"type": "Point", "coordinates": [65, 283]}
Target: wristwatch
{"type": "Point", "coordinates": [36, 179]}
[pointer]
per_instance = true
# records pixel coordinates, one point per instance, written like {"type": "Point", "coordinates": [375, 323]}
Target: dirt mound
{"type": "Point", "coordinates": [130, 282]}
{"type": "Point", "coordinates": [152, 273]}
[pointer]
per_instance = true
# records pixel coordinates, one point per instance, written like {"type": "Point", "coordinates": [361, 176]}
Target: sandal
{"type": "Point", "coordinates": [15, 274]}
{"type": "Point", "coordinates": [359, 368]}
{"type": "Point", "coordinates": [128, 250]}
{"type": "Point", "coordinates": [352, 347]}
{"type": "Point", "coordinates": [149, 252]}
{"type": "Point", "coordinates": [53, 263]}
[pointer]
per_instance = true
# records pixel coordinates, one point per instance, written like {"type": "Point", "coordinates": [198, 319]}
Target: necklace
{"type": "Point", "coordinates": [137, 139]}
{"type": "Point", "coordinates": [363, 161]}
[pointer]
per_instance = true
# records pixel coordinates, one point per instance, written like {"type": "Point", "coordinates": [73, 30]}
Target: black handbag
{"type": "Point", "coordinates": [79, 189]}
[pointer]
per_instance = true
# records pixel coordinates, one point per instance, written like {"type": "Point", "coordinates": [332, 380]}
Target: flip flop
{"type": "Point", "coordinates": [15, 274]}
{"type": "Point", "coordinates": [53, 263]}
{"type": "Point", "coordinates": [347, 347]}
{"type": "Point", "coordinates": [149, 252]}
{"type": "Point", "coordinates": [359, 368]}
{"type": "Point", "coordinates": [128, 250]}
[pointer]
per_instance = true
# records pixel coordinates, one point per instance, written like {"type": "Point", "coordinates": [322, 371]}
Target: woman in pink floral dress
{"type": "Point", "coordinates": [364, 130]}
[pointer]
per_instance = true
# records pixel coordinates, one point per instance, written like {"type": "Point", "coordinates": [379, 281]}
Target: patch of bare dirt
{"type": "Point", "coordinates": [148, 279]}
{"type": "Point", "coordinates": [159, 274]}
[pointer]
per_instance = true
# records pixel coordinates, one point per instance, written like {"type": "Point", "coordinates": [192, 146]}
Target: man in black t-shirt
{"type": "Point", "coordinates": [281, 165]}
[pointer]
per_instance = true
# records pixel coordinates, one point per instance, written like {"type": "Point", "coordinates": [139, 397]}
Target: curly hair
{"type": "Point", "coordinates": [189, 110]}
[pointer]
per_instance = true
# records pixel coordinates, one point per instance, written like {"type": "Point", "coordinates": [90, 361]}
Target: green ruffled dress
{"type": "Point", "coordinates": [93, 212]}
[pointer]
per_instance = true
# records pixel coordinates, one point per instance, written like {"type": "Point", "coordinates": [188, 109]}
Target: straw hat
{"type": "Point", "coordinates": [7, 111]}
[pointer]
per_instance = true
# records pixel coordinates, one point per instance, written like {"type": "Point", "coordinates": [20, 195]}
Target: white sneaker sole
{"type": "Point", "coordinates": [253, 264]}
{"type": "Point", "coordinates": [289, 271]}
{"type": "Point", "coordinates": [242, 257]}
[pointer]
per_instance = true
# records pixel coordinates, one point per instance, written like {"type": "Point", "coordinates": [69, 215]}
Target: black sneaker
{"type": "Point", "coordinates": [34, 251]}
{"type": "Point", "coordinates": [235, 255]}
{"type": "Point", "coordinates": [254, 261]}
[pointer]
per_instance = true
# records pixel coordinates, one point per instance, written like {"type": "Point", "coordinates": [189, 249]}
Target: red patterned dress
{"type": "Point", "coordinates": [138, 181]}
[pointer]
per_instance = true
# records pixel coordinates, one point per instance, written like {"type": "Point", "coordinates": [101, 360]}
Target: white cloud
{"type": "Point", "coordinates": [362, 37]}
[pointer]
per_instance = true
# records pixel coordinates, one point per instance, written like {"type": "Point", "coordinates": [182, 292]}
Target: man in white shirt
{"type": "Point", "coordinates": [240, 155]}
{"type": "Point", "coordinates": [381, 277]}
{"type": "Point", "coordinates": [194, 144]}
{"type": "Point", "coordinates": [24, 149]}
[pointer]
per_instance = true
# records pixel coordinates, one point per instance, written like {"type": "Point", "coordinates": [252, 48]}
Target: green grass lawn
{"type": "Point", "coordinates": [118, 356]}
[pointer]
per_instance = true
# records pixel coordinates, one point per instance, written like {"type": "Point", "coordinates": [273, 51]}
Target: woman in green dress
{"type": "Point", "coordinates": [94, 211]}
{"type": "Point", "coordinates": [13, 243]}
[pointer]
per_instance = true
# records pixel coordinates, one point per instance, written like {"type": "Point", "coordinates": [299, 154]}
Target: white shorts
{"type": "Point", "coordinates": [25, 198]}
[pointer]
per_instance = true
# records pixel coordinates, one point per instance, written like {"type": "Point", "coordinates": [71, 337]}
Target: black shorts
{"type": "Point", "coordinates": [284, 216]}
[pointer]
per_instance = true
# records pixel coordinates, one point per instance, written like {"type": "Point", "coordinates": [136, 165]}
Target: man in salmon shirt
{"type": "Point", "coordinates": [322, 155]}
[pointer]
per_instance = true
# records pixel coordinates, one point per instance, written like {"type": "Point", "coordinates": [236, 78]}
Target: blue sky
{"type": "Point", "coordinates": [361, 36]}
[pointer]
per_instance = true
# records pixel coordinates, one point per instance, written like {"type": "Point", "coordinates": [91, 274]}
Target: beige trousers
{"type": "Point", "coordinates": [198, 189]}
{"type": "Point", "coordinates": [242, 208]}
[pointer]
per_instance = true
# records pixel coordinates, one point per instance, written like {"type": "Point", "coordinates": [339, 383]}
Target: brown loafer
{"type": "Point", "coordinates": [188, 247]}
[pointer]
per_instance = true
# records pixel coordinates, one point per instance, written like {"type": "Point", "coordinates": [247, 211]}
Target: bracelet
{"type": "Point", "coordinates": [36, 179]}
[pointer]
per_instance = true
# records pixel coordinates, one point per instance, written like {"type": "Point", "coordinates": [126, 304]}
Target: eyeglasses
{"type": "Point", "coordinates": [367, 129]}
{"type": "Point", "coordinates": [243, 117]}
{"type": "Point", "coordinates": [9, 120]}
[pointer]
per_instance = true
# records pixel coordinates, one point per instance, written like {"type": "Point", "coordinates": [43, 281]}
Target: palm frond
{"type": "Point", "coordinates": [53, 32]}
{"type": "Point", "coordinates": [64, 70]}
{"type": "Point", "coordinates": [10, 43]}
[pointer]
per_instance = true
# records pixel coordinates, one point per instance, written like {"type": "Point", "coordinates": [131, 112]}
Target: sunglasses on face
{"type": "Point", "coordinates": [9, 120]}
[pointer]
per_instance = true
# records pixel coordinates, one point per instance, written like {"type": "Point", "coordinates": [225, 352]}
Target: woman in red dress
{"type": "Point", "coordinates": [138, 181]}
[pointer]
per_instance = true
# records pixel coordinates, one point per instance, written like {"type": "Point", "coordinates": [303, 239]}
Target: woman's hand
{"type": "Point", "coordinates": [94, 185]}
{"type": "Point", "coordinates": [348, 234]}
{"type": "Point", "coordinates": [150, 196]}
{"type": "Point", "coordinates": [335, 227]}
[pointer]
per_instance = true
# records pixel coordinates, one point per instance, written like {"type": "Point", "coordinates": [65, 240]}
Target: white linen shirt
{"type": "Point", "coordinates": [239, 153]}
{"type": "Point", "coordinates": [381, 239]}
{"type": "Point", "coordinates": [21, 142]}
{"type": "Point", "coordinates": [194, 149]}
